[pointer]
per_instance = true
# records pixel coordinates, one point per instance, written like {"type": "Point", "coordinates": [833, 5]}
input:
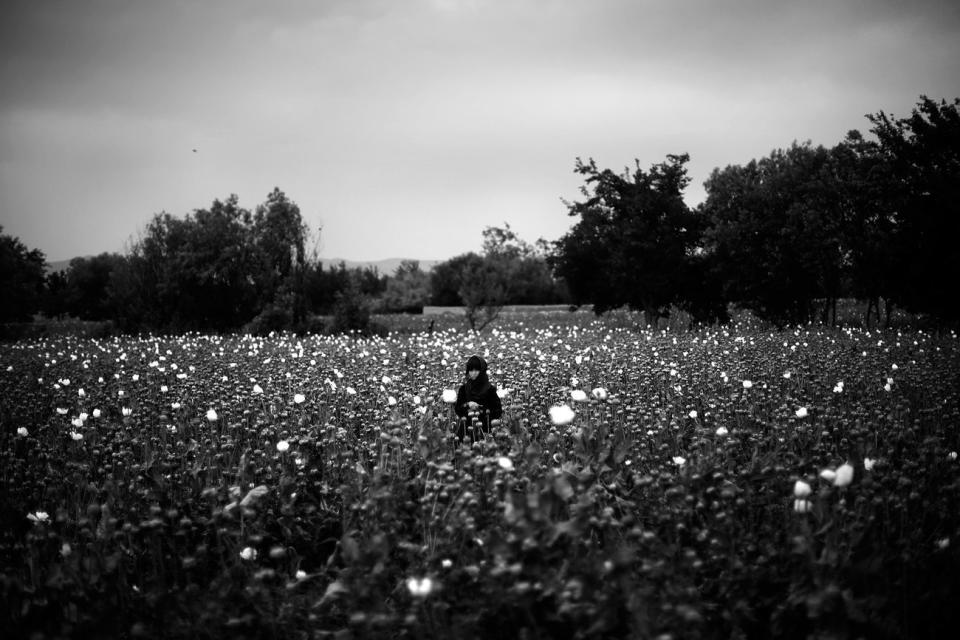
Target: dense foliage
{"type": "Point", "coordinates": [785, 236]}
{"type": "Point", "coordinates": [21, 279]}
{"type": "Point", "coordinates": [731, 482]}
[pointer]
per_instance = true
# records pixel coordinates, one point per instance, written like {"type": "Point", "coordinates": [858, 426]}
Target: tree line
{"type": "Point", "coordinates": [785, 236]}
{"type": "Point", "coordinates": [225, 268]}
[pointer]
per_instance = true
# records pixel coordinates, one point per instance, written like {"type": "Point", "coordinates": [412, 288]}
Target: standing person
{"type": "Point", "coordinates": [477, 401]}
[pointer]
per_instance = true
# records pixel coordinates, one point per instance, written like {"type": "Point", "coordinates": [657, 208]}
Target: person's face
{"type": "Point", "coordinates": [473, 373]}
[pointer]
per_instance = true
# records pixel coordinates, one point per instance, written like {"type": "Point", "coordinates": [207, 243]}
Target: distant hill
{"type": "Point", "coordinates": [384, 267]}
{"type": "Point", "coordinates": [60, 265]}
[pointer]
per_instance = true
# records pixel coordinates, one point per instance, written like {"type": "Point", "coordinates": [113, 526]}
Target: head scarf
{"type": "Point", "coordinates": [479, 388]}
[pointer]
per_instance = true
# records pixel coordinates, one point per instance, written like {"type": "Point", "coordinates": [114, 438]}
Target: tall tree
{"type": "Point", "coordinates": [632, 240]}
{"type": "Point", "coordinates": [279, 237]}
{"type": "Point", "coordinates": [924, 152]}
{"type": "Point", "coordinates": [21, 279]}
{"type": "Point", "coordinates": [87, 286]}
{"type": "Point", "coordinates": [773, 228]}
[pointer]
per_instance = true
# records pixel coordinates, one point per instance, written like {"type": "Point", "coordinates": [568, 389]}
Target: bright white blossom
{"type": "Point", "coordinates": [76, 436]}
{"type": "Point", "coordinates": [561, 415]}
{"type": "Point", "coordinates": [126, 411]}
{"type": "Point", "coordinates": [599, 393]}
{"type": "Point", "coordinates": [299, 398]}
{"type": "Point", "coordinates": [38, 516]}
{"type": "Point", "coordinates": [248, 553]}
{"type": "Point", "coordinates": [96, 413]}
{"type": "Point", "coordinates": [505, 463]}
{"type": "Point", "coordinates": [801, 489]}
{"type": "Point", "coordinates": [802, 412]}
{"type": "Point", "coordinates": [22, 431]}
{"type": "Point", "coordinates": [747, 384]}
{"type": "Point", "coordinates": [693, 414]}
{"type": "Point", "coordinates": [679, 461]}
{"type": "Point", "coordinates": [829, 475]}
{"type": "Point", "coordinates": [257, 389]}
{"type": "Point", "coordinates": [211, 414]}
{"type": "Point", "coordinates": [578, 395]}
{"type": "Point", "coordinates": [282, 445]}
{"type": "Point", "coordinates": [844, 475]}
{"type": "Point", "coordinates": [419, 588]}
{"type": "Point", "coordinates": [722, 431]}
{"type": "Point", "coordinates": [449, 396]}
{"type": "Point", "coordinates": [802, 505]}
{"type": "Point", "coordinates": [351, 391]}
{"type": "Point", "coordinates": [391, 401]}
{"type": "Point", "coordinates": [301, 574]}
{"type": "Point", "coordinates": [868, 463]}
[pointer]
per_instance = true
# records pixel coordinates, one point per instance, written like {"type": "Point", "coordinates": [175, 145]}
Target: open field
{"type": "Point", "coordinates": [723, 483]}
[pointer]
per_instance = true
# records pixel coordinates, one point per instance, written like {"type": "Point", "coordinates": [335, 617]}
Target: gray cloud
{"type": "Point", "coordinates": [446, 114]}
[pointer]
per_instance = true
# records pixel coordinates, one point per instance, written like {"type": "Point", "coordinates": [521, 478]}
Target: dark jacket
{"type": "Point", "coordinates": [477, 423]}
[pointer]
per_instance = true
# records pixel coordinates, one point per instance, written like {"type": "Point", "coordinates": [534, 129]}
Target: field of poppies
{"type": "Point", "coordinates": [732, 482]}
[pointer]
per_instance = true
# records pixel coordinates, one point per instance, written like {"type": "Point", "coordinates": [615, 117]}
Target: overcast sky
{"type": "Point", "coordinates": [404, 127]}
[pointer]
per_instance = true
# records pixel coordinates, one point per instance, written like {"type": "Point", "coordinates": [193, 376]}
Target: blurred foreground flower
{"type": "Point", "coordinates": [844, 475]}
{"type": "Point", "coordinates": [561, 415]}
{"type": "Point", "coordinates": [449, 396]}
{"type": "Point", "coordinates": [419, 588]}
{"type": "Point", "coordinates": [829, 475]}
{"type": "Point", "coordinates": [253, 495]}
